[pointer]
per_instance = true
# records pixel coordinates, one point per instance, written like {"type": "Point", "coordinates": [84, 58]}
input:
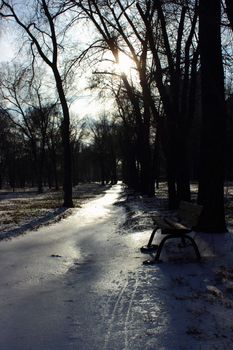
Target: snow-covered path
{"type": "Point", "coordinates": [80, 284]}
{"type": "Point", "coordinates": [62, 286]}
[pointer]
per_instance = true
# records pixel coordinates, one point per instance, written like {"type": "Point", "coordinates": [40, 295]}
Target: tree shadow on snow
{"type": "Point", "coordinates": [34, 224]}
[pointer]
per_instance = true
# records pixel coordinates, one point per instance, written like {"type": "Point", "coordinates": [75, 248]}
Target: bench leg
{"type": "Point", "coordinates": [152, 236]}
{"type": "Point", "coordinates": [166, 238]}
{"type": "Point", "coordinates": [149, 247]}
{"type": "Point", "coordinates": [161, 245]}
{"type": "Point", "coordinates": [194, 244]}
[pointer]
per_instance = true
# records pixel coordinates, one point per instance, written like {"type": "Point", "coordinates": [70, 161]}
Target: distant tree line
{"type": "Point", "coordinates": [31, 153]}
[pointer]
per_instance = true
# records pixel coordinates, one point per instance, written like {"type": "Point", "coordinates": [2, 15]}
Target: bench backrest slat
{"type": "Point", "coordinates": [189, 213]}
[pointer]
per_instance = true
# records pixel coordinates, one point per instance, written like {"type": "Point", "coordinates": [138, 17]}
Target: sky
{"type": "Point", "coordinates": [6, 47]}
{"type": "Point", "coordinates": [89, 105]}
{"type": "Point", "coordinates": [85, 104]}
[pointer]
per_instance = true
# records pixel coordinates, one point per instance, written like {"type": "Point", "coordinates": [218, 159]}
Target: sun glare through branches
{"type": "Point", "coordinates": [125, 64]}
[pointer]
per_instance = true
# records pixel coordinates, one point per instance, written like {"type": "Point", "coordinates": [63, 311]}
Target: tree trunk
{"type": "Point", "coordinates": [67, 160]}
{"type": "Point", "coordinates": [171, 183]}
{"type": "Point", "coordinates": [211, 182]}
{"type": "Point", "coordinates": [102, 171]}
{"type": "Point", "coordinates": [38, 166]}
{"type": "Point", "coordinates": [147, 179]}
{"type": "Point", "coordinates": [54, 165]}
{"type": "Point", "coordinates": [182, 168]}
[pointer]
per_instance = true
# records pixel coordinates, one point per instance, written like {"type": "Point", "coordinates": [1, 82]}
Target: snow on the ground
{"type": "Point", "coordinates": [80, 284]}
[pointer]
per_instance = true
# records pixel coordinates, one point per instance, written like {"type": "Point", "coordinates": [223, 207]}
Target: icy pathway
{"type": "Point", "coordinates": [80, 284]}
{"type": "Point", "coordinates": [62, 287]}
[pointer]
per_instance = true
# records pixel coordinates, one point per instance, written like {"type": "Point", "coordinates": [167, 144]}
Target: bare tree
{"type": "Point", "coordinates": [42, 33]}
{"type": "Point", "coordinates": [122, 32]}
{"type": "Point", "coordinates": [175, 77]}
{"type": "Point", "coordinates": [160, 38]}
{"type": "Point", "coordinates": [29, 111]}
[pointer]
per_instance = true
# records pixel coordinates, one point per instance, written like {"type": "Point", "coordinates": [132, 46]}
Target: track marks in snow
{"type": "Point", "coordinates": [128, 313]}
{"type": "Point", "coordinates": [113, 316]}
{"type": "Point", "coordinates": [120, 319]}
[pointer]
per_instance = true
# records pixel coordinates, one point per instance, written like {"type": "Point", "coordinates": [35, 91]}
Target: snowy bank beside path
{"type": "Point", "coordinates": [80, 284]}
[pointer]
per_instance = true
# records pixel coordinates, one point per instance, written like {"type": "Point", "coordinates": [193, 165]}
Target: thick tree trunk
{"type": "Point", "coordinates": [129, 169]}
{"type": "Point", "coordinates": [211, 182]}
{"type": "Point", "coordinates": [67, 160]}
{"type": "Point", "coordinates": [147, 178]}
{"type": "Point", "coordinates": [171, 183]}
{"type": "Point", "coordinates": [54, 165]}
{"type": "Point", "coordinates": [182, 168]}
{"type": "Point", "coordinates": [172, 195]}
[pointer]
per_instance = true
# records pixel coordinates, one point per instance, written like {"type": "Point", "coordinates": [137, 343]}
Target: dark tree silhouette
{"type": "Point", "coordinates": [176, 85]}
{"type": "Point", "coordinates": [211, 183]}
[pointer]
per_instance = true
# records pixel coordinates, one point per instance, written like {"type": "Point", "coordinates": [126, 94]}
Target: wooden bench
{"type": "Point", "coordinates": [187, 218]}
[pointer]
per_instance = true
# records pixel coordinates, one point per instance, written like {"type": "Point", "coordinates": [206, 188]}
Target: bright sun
{"type": "Point", "coordinates": [125, 63]}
